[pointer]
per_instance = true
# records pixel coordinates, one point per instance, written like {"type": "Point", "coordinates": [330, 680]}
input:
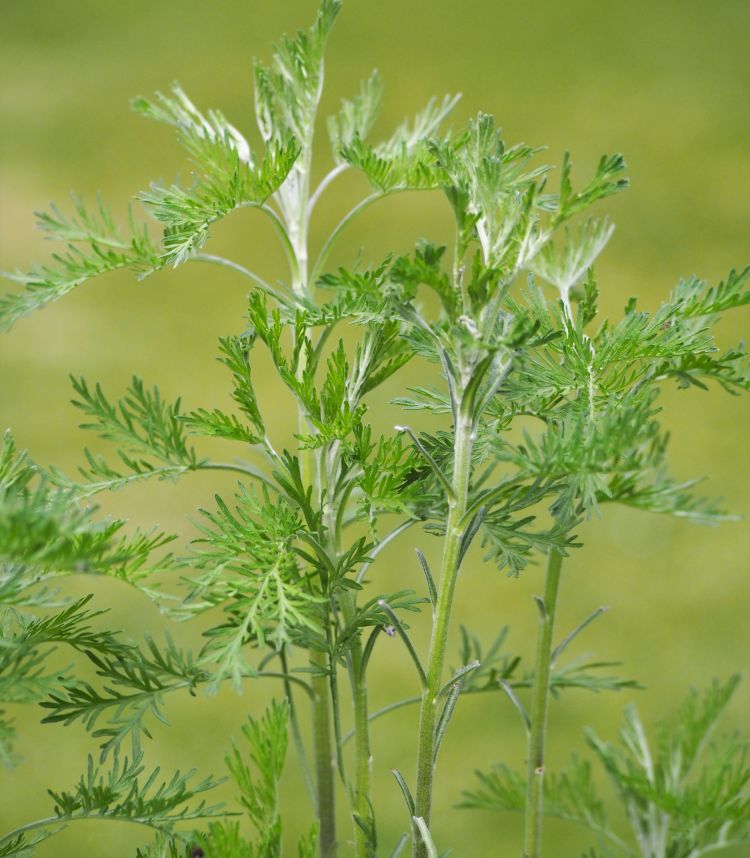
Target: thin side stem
{"type": "Point", "coordinates": [386, 540]}
{"type": "Point", "coordinates": [246, 272]}
{"type": "Point", "coordinates": [391, 707]}
{"type": "Point", "coordinates": [247, 470]}
{"type": "Point", "coordinates": [325, 182]}
{"type": "Point", "coordinates": [51, 821]}
{"type": "Point", "coordinates": [539, 706]}
{"type": "Point", "coordinates": [281, 230]}
{"type": "Point", "coordinates": [288, 678]}
{"type": "Point", "coordinates": [345, 221]}
{"type": "Point", "coordinates": [294, 724]}
{"type": "Point", "coordinates": [446, 589]}
{"type": "Point", "coordinates": [338, 229]}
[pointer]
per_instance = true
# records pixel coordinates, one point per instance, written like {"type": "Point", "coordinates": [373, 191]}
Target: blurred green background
{"type": "Point", "coordinates": [665, 83]}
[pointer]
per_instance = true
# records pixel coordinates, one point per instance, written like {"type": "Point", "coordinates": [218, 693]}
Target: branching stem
{"type": "Point", "coordinates": [282, 232]}
{"type": "Point", "coordinates": [246, 272]}
{"type": "Point", "coordinates": [338, 229]}
{"type": "Point", "coordinates": [344, 222]}
{"type": "Point", "coordinates": [325, 182]}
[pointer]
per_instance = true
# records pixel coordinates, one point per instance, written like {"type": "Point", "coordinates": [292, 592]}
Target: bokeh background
{"type": "Point", "coordinates": [664, 82]}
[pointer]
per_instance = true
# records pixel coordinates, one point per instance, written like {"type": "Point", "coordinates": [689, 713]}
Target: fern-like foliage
{"type": "Point", "coordinates": [255, 767]}
{"type": "Point", "coordinates": [136, 683]}
{"type": "Point", "coordinates": [151, 435]}
{"type": "Point", "coordinates": [540, 414]}
{"type": "Point", "coordinates": [356, 116]}
{"type": "Point", "coordinates": [46, 533]}
{"type": "Point", "coordinates": [95, 245]}
{"type": "Point", "coordinates": [685, 795]}
{"type": "Point", "coordinates": [125, 793]}
{"type": "Point", "coordinates": [251, 557]}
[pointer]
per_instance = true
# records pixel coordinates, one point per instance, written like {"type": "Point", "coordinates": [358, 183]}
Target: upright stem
{"type": "Point", "coordinates": [539, 707]}
{"type": "Point", "coordinates": [322, 737]}
{"type": "Point", "coordinates": [294, 207]}
{"type": "Point", "coordinates": [323, 756]}
{"type": "Point", "coordinates": [296, 733]}
{"type": "Point", "coordinates": [441, 621]}
{"type": "Point", "coordinates": [362, 801]}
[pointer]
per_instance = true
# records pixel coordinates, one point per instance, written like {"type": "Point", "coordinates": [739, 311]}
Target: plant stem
{"type": "Point", "coordinates": [360, 799]}
{"type": "Point", "coordinates": [539, 706]}
{"type": "Point", "coordinates": [246, 272]}
{"type": "Point", "coordinates": [295, 229]}
{"type": "Point", "coordinates": [446, 589]}
{"type": "Point", "coordinates": [343, 223]}
{"type": "Point", "coordinates": [322, 739]}
{"type": "Point", "coordinates": [362, 756]}
{"type": "Point", "coordinates": [294, 724]}
{"type": "Point", "coordinates": [323, 756]}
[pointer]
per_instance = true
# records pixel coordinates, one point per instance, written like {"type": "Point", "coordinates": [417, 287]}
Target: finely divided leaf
{"type": "Point", "coordinates": [104, 249]}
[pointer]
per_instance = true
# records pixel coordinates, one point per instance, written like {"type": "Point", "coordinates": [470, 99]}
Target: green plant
{"type": "Point", "coordinates": [686, 797]}
{"type": "Point", "coordinates": [284, 564]}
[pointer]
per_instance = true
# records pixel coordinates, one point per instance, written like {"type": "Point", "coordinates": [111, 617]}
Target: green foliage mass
{"type": "Point", "coordinates": [685, 795]}
{"type": "Point", "coordinates": [543, 414]}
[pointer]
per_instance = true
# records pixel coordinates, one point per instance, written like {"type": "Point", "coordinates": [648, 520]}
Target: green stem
{"type": "Point", "coordinates": [245, 470]}
{"type": "Point", "coordinates": [281, 230]}
{"type": "Point", "coordinates": [344, 222]}
{"type": "Point", "coordinates": [331, 240]}
{"type": "Point", "coordinates": [322, 737]}
{"type": "Point", "coordinates": [324, 763]}
{"type": "Point", "coordinates": [326, 181]}
{"type": "Point", "coordinates": [446, 589]}
{"type": "Point", "coordinates": [295, 232]}
{"type": "Point", "coordinates": [64, 821]}
{"type": "Point", "coordinates": [362, 755]}
{"type": "Point", "coordinates": [246, 272]}
{"type": "Point", "coordinates": [539, 706]}
{"type": "Point", "coordinates": [294, 724]}
{"type": "Point", "coordinates": [360, 798]}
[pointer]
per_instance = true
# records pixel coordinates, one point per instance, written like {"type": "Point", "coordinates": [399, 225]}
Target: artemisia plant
{"type": "Point", "coordinates": [511, 333]}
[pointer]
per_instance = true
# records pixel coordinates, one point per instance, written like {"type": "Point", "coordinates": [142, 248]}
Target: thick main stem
{"type": "Point", "coordinates": [539, 706]}
{"type": "Point", "coordinates": [446, 588]}
{"type": "Point", "coordinates": [322, 738]}
{"type": "Point", "coordinates": [297, 227]}
{"type": "Point", "coordinates": [361, 802]}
